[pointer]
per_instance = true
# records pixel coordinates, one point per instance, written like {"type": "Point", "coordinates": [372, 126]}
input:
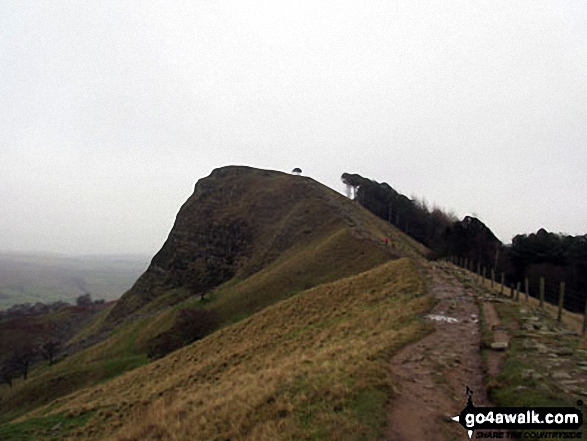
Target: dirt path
{"type": "Point", "coordinates": [434, 372]}
{"type": "Point", "coordinates": [500, 337]}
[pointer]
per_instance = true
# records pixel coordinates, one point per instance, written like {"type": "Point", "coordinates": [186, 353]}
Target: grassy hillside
{"type": "Point", "coordinates": [305, 235]}
{"type": "Point", "coordinates": [314, 366]}
{"type": "Point", "coordinates": [97, 363]}
{"type": "Point", "coordinates": [303, 266]}
{"type": "Point", "coordinates": [49, 277]}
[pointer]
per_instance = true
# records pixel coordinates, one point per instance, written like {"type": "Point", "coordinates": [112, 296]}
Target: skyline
{"type": "Point", "coordinates": [111, 112]}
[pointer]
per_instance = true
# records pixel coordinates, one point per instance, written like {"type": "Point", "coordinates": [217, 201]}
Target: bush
{"type": "Point", "coordinates": [191, 324]}
{"type": "Point", "coordinates": [84, 300]}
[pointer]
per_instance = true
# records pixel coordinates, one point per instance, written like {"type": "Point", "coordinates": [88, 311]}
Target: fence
{"type": "Point", "coordinates": [565, 304]}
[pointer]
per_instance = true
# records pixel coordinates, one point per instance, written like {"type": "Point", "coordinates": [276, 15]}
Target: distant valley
{"type": "Point", "coordinates": [38, 277]}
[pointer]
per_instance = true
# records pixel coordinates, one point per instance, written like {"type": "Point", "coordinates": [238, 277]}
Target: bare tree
{"type": "Point", "coordinates": [7, 372]}
{"type": "Point", "coordinates": [49, 350]}
{"type": "Point", "coordinates": [22, 358]}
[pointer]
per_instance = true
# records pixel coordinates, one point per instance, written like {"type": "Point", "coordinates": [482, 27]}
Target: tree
{"type": "Point", "coordinates": [84, 300]}
{"type": "Point", "coordinates": [49, 350]}
{"type": "Point", "coordinates": [22, 357]}
{"type": "Point", "coordinates": [472, 239]}
{"type": "Point", "coordinates": [191, 324]}
{"type": "Point", "coordinates": [7, 372]}
{"type": "Point", "coordinates": [412, 216]}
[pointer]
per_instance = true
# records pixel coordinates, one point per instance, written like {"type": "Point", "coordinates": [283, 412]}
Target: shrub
{"type": "Point", "coordinates": [191, 324]}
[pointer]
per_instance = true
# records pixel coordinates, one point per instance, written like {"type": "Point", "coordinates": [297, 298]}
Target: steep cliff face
{"type": "Point", "coordinates": [238, 221]}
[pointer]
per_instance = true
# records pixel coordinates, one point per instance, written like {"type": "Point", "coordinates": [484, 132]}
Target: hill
{"type": "Point", "coordinates": [246, 239]}
{"type": "Point", "coordinates": [314, 366]}
{"type": "Point", "coordinates": [278, 232]}
{"type": "Point", "coordinates": [46, 278]}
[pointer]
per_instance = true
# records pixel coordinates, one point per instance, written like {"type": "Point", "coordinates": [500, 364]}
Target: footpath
{"type": "Point", "coordinates": [528, 359]}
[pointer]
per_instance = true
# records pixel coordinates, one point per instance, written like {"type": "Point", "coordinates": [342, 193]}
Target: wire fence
{"type": "Point", "coordinates": [565, 304]}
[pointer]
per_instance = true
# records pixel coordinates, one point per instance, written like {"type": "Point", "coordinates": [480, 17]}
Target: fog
{"type": "Point", "coordinates": [111, 111]}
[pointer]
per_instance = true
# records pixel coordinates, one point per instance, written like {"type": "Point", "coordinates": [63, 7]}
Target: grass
{"type": "Point", "coordinates": [505, 388]}
{"type": "Point", "coordinates": [314, 366]}
{"type": "Point", "coordinates": [96, 364]}
{"type": "Point", "coordinates": [49, 428]}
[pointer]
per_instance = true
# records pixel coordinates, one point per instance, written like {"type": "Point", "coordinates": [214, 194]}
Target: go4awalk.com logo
{"type": "Point", "coordinates": [507, 422]}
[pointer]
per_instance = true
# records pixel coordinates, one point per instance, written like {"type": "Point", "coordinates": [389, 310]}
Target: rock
{"type": "Point", "coordinates": [560, 375]}
{"type": "Point", "coordinates": [533, 345]}
{"type": "Point", "coordinates": [499, 345]}
{"type": "Point", "coordinates": [570, 382]}
{"type": "Point", "coordinates": [442, 318]}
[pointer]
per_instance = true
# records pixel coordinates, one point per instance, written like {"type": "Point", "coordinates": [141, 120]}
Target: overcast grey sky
{"type": "Point", "coordinates": [111, 111]}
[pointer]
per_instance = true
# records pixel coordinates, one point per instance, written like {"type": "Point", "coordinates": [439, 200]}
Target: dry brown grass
{"type": "Point", "coordinates": [314, 366]}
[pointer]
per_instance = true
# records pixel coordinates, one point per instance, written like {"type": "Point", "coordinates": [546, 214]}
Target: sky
{"type": "Point", "coordinates": [111, 111]}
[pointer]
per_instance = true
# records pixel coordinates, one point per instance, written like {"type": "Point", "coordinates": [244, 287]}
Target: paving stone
{"type": "Point", "coordinates": [499, 345]}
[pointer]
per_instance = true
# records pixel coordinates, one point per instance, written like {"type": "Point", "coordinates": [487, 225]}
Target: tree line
{"type": "Point", "coordinates": [556, 257]}
{"type": "Point", "coordinates": [440, 231]}
{"type": "Point", "coordinates": [31, 333]}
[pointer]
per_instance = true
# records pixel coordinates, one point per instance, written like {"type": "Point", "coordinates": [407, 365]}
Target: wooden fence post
{"type": "Point", "coordinates": [478, 273]}
{"type": "Point", "coordinates": [518, 292]}
{"type": "Point", "coordinates": [512, 295]}
{"type": "Point", "coordinates": [466, 263]}
{"type": "Point", "coordinates": [502, 285]}
{"type": "Point", "coordinates": [527, 286]}
{"type": "Point", "coordinates": [542, 282]}
{"type": "Point", "coordinates": [561, 300]}
{"type": "Point", "coordinates": [492, 278]}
